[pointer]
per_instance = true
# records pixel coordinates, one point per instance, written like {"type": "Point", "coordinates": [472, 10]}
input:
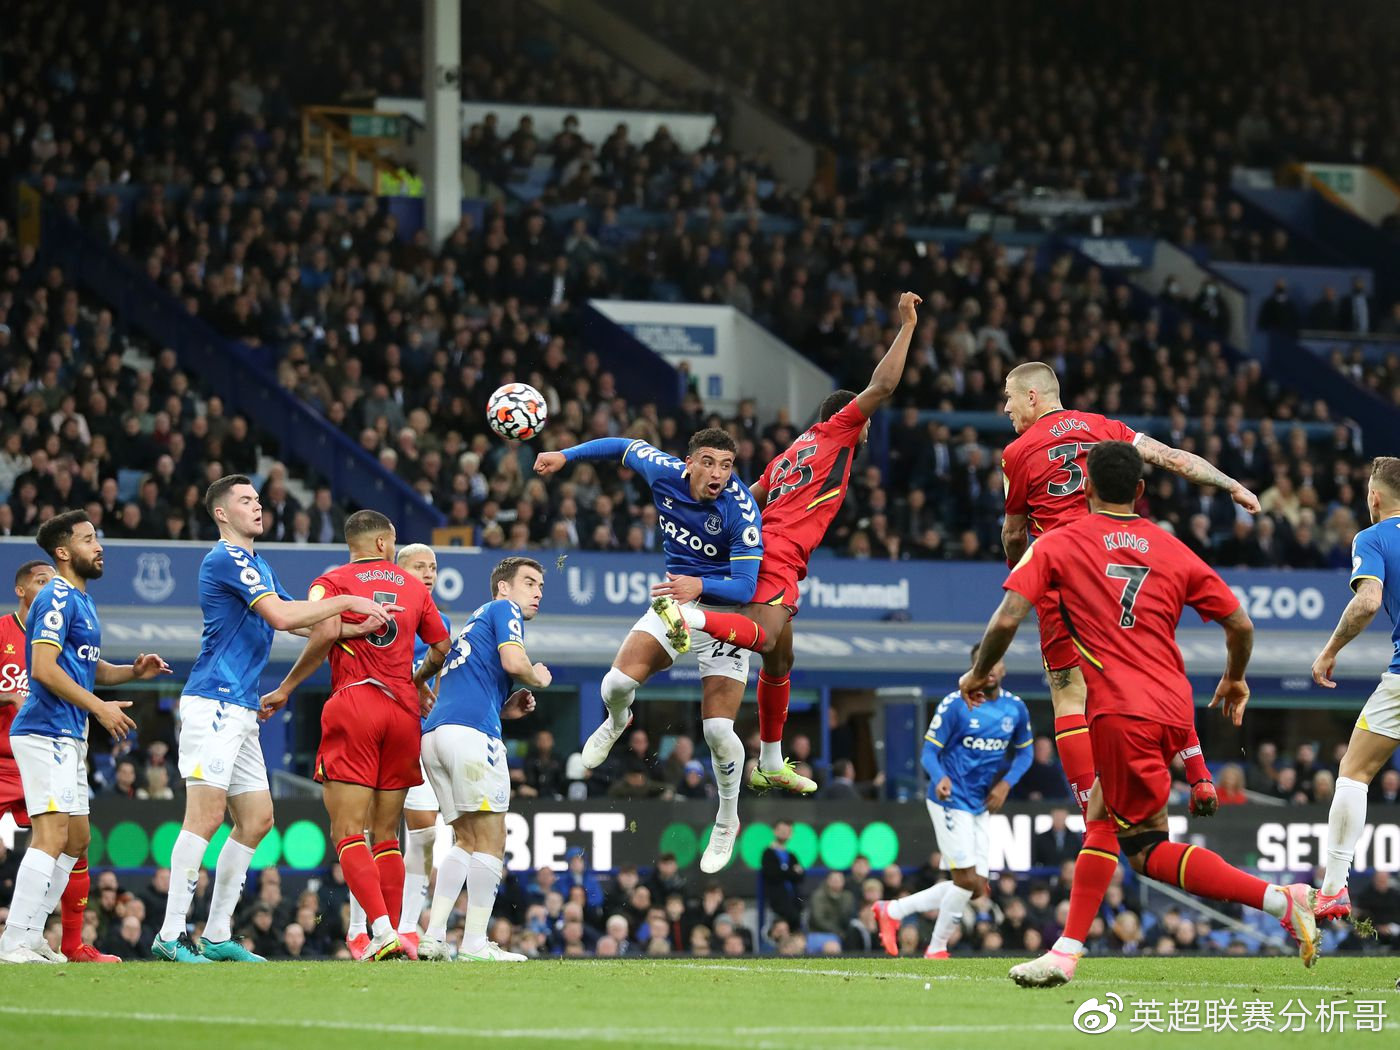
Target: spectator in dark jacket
{"type": "Point", "coordinates": [782, 876]}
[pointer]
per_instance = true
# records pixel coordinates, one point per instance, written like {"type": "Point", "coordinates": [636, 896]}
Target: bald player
{"type": "Point", "coordinates": [1044, 470]}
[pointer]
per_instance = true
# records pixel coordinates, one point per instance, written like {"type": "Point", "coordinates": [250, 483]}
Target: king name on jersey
{"type": "Point", "coordinates": [1126, 541]}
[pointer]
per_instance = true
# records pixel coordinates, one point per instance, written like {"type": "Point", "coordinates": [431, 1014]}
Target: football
{"type": "Point", "coordinates": [516, 411]}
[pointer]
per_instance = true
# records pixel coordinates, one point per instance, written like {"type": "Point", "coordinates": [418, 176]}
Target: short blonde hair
{"type": "Point", "coordinates": [413, 550]}
{"type": "Point", "coordinates": [1037, 376]}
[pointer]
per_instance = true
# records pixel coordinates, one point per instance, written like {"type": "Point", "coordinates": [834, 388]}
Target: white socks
{"type": "Point", "coordinates": [1345, 822]}
{"type": "Point", "coordinates": [693, 617]}
{"type": "Point", "coordinates": [25, 924]}
{"type": "Point", "coordinates": [58, 882]}
{"type": "Point", "coordinates": [186, 858]}
{"type": "Point", "coordinates": [358, 919]}
{"type": "Point", "coordinates": [727, 754]}
{"type": "Point", "coordinates": [451, 877]}
{"type": "Point", "coordinates": [1068, 946]}
{"type": "Point", "coordinates": [770, 755]}
{"type": "Point", "coordinates": [230, 874]}
{"type": "Point", "coordinates": [483, 876]}
{"type": "Point", "coordinates": [417, 866]}
{"type": "Point", "coordinates": [1275, 902]}
{"type": "Point", "coordinates": [930, 899]}
{"type": "Point", "coordinates": [618, 691]}
{"type": "Point", "coordinates": [949, 916]}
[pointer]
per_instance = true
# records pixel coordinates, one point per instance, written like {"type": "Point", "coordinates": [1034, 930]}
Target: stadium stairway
{"type": "Point", "coordinates": [304, 438]}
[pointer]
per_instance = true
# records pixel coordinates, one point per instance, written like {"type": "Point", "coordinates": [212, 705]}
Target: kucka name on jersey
{"type": "Point", "coordinates": [1068, 426]}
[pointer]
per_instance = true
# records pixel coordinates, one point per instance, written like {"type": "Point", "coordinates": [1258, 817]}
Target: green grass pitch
{"type": "Point", "coordinates": [752, 1004]}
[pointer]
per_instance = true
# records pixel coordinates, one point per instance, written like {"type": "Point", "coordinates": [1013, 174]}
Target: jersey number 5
{"type": "Point", "coordinates": [385, 636]}
{"type": "Point", "coordinates": [1066, 457]}
{"type": "Point", "coordinates": [1135, 575]}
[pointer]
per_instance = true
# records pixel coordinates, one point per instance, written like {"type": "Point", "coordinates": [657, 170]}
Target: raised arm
{"type": "Point", "coordinates": [890, 370]}
{"type": "Point", "coordinates": [600, 448]}
{"type": "Point", "coordinates": [285, 615]}
{"type": "Point", "coordinates": [1356, 617]}
{"type": "Point", "coordinates": [1195, 469]}
{"type": "Point", "coordinates": [995, 640]}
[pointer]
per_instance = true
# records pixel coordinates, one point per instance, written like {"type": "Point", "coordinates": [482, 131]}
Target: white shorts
{"type": "Point", "coordinates": [961, 837]}
{"type": "Point", "coordinates": [1382, 711]}
{"type": "Point", "coordinates": [421, 796]}
{"type": "Point", "coordinates": [715, 658]}
{"type": "Point", "coordinates": [53, 770]}
{"type": "Point", "coordinates": [467, 770]}
{"type": "Point", "coordinates": [219, 745]}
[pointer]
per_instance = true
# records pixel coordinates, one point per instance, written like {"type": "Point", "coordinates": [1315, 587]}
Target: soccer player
{"type": "Point", "coordinates": [712, 539]}
{"type": "Point", "coordinates": [800, 493]}
{"type": "Point", "coordinates": [973, 760]}
{"type": "Point", "coordinates": [219, 754]}
{"type": "Point", "coordinates": [1122, 584]}
{"type": "Point", "coordinates": [1043, 471]}
{"type": "Point", "coordinates": [63, 651]}
{"type": "Point", "coordinates": [30, 579]}
{"type": "Point", "coordinates": [420, 808]}
{"type": "Point", "coordinates": [1375, 579]}
{"type": "Point", "coordinates": [370, 727]}
{"type": "Point", "coordinates": [420, 805]}
{"type": "Point", "coordinates": [466, 760]}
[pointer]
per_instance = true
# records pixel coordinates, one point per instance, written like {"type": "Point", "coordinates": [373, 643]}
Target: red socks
{"type": "Point", "coordinates": [1198, 870]}
{"type": "Point", "coordinates": [772, 706]}
{"type": "Point", "coordinates": [388, 858]}
{"type": "Point", "coordinates": [1076, 758]}
{"type": "Point", "coordinates": [74, 904]}
{"type": "Point", "coordinates": [1093, 871]}
{"type": "Point", "coordinates": [363, 878]}
{"type": "Point", "coordinates": [733, 629]}
{"type": "Point", "coordinates": [1195, 763]}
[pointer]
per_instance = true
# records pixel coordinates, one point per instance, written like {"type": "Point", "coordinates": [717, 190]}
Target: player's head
{"type": "Point", "coordinates": [834, 402]}
{"type": "Point", "coordinates": [30, 579]}
{"type": "Point", "coordinates": [520, 580]}
{"type": "Point", "coordinates": [709, 462]}
{"type": "Point", "coordinates": [998, 671]}
{"type": "Point", "coordinates": [1032, 389]}
{"type": "Point", "coordinates": [1115, 474]}
{"type": "Point", "coordinates": [418, 559]}
{"type": "Point", "coordinates": [71, 541]}
{"type": "Point", "coordinates": [233, 503]}
{"type": "Point", "coordinates": [1383, 492]}
{"type": "Point", "coordinates": [369, 534]}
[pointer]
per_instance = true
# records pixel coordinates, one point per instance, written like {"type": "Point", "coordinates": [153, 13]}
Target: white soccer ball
{"type": "Point", "coordinates": [517, 411]}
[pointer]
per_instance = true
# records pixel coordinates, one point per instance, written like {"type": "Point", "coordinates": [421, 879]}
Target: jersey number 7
{"type": "Point", "coordinates": [1135, 575]}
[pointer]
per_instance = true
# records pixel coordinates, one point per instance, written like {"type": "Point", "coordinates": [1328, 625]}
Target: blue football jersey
{"type": "Point", "coordinates": [474, 685]}
{"type": "Point", "coordinates": [1375, 555]}
{"type": "Point", "coordinates": [420, 647]}
{"type": "Point", "coordinates": [237, 641]}
{"type": "Point", "coordinates": [712, 539]}
{"type": "Point", "coordinates": [976, 747]}
{"type": "Point", "coordinates": [66, 618]}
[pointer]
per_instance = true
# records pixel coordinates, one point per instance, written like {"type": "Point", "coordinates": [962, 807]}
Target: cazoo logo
{"type": "Point", "coordinates": [1281, 603]}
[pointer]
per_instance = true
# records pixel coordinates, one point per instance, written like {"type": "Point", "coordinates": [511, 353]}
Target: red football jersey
{"type": "Point", "coordinates": [807, 483]}
{"type": "Point", "coordinates": [384, 659]}
{"type": "Point", "coordinates": [14, 677]}
{"type": "Point", "coordinates": [1045, 467]}
{"type": "Point", "coordinates": [1122, 584]}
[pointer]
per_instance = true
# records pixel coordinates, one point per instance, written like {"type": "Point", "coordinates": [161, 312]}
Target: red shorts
{"type": "Point", "coordinates": [777, 579]}
{"type": "Point", "coordinates": [1134, 758]}
{"type": "Point", "coordinates": [367, 738]}
{"type": "Point", "coordinates": [12, 793]}
{"type": "Point", "coordinates": [1057, 650]}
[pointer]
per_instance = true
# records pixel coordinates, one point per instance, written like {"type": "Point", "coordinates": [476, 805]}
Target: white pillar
{"type": "Point", "coordinates": [442, 94]}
